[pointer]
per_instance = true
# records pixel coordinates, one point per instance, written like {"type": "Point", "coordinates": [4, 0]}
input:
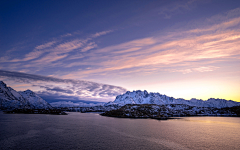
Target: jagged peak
{"type": "Point", "coordinates": [28, 91]}
{"type": "Point", "coordinates": [143, 97]}
{"type": "Point", "coordinates": [2, 83]}
{"type": "Point", "coordinates": [145, 92]}
{"type": "Point", "coordinates": [128, 92]}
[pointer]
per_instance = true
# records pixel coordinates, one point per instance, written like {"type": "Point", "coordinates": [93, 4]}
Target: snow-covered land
{"type": "Point", "coordinates": [143, 97]}
{"type": "Point", "coordinates": [35, 101]}
{"type": "Point", "coordinates": [131, 104]}
{"type": "Point", "coordinates": [141, 104]}
{"type": "Point", "coordinates": [11, 99]}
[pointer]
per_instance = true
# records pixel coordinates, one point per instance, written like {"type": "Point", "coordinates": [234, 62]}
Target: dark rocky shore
{"type": "Point", "coordinates": [163, 112]}
{"type": "Point", "coordinates": [135, 111]}
{"type": "Point", "coordinates": [36, 111]}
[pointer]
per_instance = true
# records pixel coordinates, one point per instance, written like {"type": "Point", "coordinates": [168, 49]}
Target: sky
{"type": "Point", "coordinates": [92, 51]}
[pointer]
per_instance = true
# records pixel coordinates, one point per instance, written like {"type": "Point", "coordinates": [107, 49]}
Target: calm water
{"type": "Point", "coordinates": [92, 131]}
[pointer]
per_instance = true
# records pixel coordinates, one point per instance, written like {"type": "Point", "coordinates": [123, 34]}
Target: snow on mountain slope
{"type": "Point", "coordinates": [36, 101]}
{"type": "Point", "coordinates": [143, 97]}
{"type": "Point", "coordinates": [9, 98]}
{"type": "Point", "coordinates": [139, 97]}
{"type": "Point", "coordinates": [212, 102]}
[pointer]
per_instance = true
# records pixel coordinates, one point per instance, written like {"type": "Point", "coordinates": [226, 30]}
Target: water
{"type": "Point", "coordinates": [91, 131]}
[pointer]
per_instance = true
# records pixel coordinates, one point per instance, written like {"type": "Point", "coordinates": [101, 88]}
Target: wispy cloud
{"type": "Point", "coordinates": [218, 42]}
{"type": "Point", "coordinates": [191, 70]}
{"type": "Point", "coordinates": [215, 41]}
{"type": "Point", "coordinates": [46, 45]}
{"type": "Point", "coordinates": [222, 26]}
{"type": "Point", "coordinates": [57, 49]}
{"type": "Point", "coordinates": [67, 35]}
{"type": "Point", "coordinates": [77, 89]}
{"type": "Point", "coordinates": [89, 46]}
{"type": "Point", "coordinates": [101, 33]}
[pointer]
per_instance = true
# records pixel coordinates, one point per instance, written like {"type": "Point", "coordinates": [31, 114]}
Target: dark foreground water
{"type": "Point", "coordinates": [92, 131]}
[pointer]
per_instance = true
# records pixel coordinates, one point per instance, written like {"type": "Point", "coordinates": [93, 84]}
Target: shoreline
{"type": "Point", "coordinates": [35, 111]}
{"type": "Point", "coordinates": [166, 118]}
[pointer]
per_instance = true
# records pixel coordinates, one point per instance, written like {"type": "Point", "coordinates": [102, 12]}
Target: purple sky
{"type": "Point", "coordinates": [94, 50]}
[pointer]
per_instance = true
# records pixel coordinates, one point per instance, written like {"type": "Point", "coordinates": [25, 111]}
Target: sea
{"type": "Point", "coordinates": [91, 131]}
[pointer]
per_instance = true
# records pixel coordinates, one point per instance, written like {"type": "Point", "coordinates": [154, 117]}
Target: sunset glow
{"type": "Point", "coordinates": [99, 49]}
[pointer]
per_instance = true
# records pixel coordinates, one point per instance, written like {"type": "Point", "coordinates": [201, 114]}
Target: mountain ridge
{"type": "Point", "coordinates": [143, 97]}
{"type": "Point", "coordinates": [11, 99]}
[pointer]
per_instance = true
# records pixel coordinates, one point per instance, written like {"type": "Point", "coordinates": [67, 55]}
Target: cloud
{"type": "Point", "coordinates": [66, 35]}
{"type": "Point", "coordinates": [215, 43]}
{"type": "Point", "coordinates": [77, 89]}
{"type": "Point", "coordinates": [101, 33]}
{"type": "Point", "coordinates": [48, 59]}
{"type": "Point", "coordinates": [56, 50]}
{"type": "Point", "coordinates": [59, 98]}
{"type": "Point", "coordinates": [139, 43]}
{"type": "Point", "coordinates": [59, 89]}
{"type": "Point", "coordinates": [90, 45]}
{"type": "Point", "coordinates": [205, 69]}
{"type": "Point", "coordinates": [191, 70]}
{"type": "Point", "coordinates": [46, 45]}
{"type": "Point", "coordinates": [222, 26]}
{"type": "Point", "coordinates": [68, 46]}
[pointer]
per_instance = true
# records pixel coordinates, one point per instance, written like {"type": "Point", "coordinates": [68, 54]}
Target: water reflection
{"type": "Point", "coordinates": [92, 131]}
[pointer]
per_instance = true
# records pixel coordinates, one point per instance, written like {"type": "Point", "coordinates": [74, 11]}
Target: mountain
{"type": "Point", "coordinates": [11, 99]}
{"type": "Point", "coordinates": [143, 97]}
{"type": "Point", "coordinates": [35, 101]}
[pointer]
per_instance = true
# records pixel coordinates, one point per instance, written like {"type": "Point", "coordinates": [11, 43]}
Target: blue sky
{"type": "Point", "coordinates": [95, 50]}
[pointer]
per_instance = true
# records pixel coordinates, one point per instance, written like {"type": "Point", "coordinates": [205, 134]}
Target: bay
{"type": "Point", "coordinates": [93, 131]}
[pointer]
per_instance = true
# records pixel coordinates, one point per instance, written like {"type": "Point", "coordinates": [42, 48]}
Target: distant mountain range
{"type": "Point", "coordinates": [11, 99]}
{"type": "Point", "coordinates": [143, 97]}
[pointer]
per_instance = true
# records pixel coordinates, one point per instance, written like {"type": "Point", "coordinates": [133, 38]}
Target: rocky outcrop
{"type": "Point", "coordinates": [136, 111]}
{"type": "Point", "coordinates": [170, 110]}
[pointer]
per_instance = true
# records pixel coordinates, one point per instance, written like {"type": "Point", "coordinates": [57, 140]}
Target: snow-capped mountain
{"type": "Point", "coordinates": [10, 99]}
{"type": "Point", "coordinates": [143, 97]}
{"type": "Point", "coordinates": [35, 101]}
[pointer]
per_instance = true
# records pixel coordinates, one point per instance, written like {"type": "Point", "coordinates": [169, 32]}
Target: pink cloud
{"type": "Point", "coordinates": [61, 48]}
{"type": "Point", "coordinates": [211, 46]}
{"type": "Point", "coordinates": [191, 70]}
{"type": "Point", "coordinates": [50, 58]}
{"type": "Point", "coordinates": [90, 45]}
{"type": "Point", "coordinates": [101, 33]}
{"type": "Point", "coordinates": [128, 45]}
{"type": "Point", "coordinates": [46, 45]}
